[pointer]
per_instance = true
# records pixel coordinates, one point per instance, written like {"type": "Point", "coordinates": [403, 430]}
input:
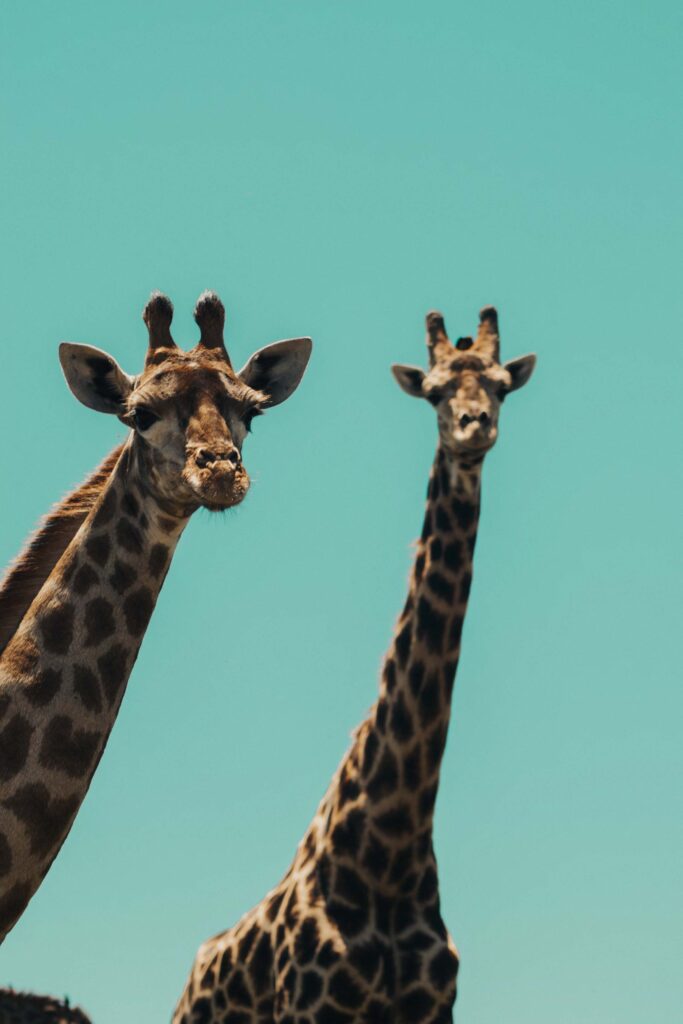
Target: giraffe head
{"type": "Point", "coordinates": [466, 383]}
{"type": "Point", "coordinates": [189, 411]}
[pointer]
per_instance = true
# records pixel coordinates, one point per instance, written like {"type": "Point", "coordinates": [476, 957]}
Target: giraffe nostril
{"type": "Point", "coordinates": [204, 456]}
{"type": "Point", "coordinates": [465, 420]}
{"type": "Point", "coordinates": [484, 418]}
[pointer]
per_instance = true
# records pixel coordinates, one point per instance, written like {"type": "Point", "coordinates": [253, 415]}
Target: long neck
{"type": "Point", "coordinates": [379, 810]}
{"type": "Point", "coordinates": [29, 571]}
{"type": "Point", "coordinates": [64, 672]}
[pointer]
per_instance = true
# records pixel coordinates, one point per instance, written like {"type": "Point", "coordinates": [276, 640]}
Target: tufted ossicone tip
{"type": "Point", "coordinates": [488, 343]}
{"type": "Point", "coordinates": [209, 315]}
{"type": "Point", "coordinates": [438, 342]}
{"type": "Point", "coordinates": [158, 314]}
{"type": "Point", "coordinates": [489, 315]}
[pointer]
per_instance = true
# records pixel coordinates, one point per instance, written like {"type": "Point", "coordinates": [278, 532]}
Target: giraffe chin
{"type": "Point", "coordinates": [219, 490]}
{"type": "Point", "coordinates": [476, 445]}
{"type": "Point", "coordinates": [459, 452]}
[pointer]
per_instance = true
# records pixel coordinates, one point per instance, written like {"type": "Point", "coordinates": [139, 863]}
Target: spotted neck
{"type": "Point", "coordinates": [379, 810]}
{"type": "Point", "coordinates": [29, 571]}
{"type": "Point", "coordinates": [64, 671]}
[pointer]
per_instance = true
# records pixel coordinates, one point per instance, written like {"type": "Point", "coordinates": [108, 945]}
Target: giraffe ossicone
{"type": "Point", "coordinates": [353, 933]}
{"type": "Point", "coordinates": [76, 604]}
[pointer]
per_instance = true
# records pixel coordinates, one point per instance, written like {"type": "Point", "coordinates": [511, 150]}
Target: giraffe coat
{"type": "Point", "coordinates": [353, 934]}
{"type": "Point", "coordinates": [76, 604]}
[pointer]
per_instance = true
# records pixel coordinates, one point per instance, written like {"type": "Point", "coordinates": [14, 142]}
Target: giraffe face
{"type": "Point", "coordinates": [466, 384]}
{"type": "Point", "coordinates": [467, 396]}
{"type": "Point", "coordinates": [190, 418]}
{"type": "Point", "coordinates": [189, 411]}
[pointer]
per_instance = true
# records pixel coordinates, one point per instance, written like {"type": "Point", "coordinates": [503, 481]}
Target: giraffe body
{"type": "Point", "coordinates": [68, 641]}
{"type": "Point", "coordinates": [353, 934]}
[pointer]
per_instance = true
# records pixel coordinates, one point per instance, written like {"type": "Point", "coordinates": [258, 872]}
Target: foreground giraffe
{"type": "Point", "coordinates": [74, 611]}
{"type": "Point", "coordinates": [353, 933]}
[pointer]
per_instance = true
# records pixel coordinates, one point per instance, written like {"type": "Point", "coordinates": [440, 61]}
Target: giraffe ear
{"type": "Point", "coordinates": [520, 370]}
{"type": "Point", "coordinates": [410, 378]}
{"type": "Point", "coordinates": [95, 378]}
{"type": "Point", "coordinates": [277, 369]}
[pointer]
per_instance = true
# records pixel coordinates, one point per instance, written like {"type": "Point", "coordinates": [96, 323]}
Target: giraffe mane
{"type": "Point", "coordinates": [30, 569]}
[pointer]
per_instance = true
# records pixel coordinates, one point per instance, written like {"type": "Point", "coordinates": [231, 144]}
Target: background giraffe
{"type": "Point", "coordinates": [64, 669]}
{"type": "Point", "coordinates": [25, 1008]}
{"type": "Point", "coordinates": [353, 933]}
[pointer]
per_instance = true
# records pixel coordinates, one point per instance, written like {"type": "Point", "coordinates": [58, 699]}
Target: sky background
{"type": "Point", "coordinates": [337, 169]}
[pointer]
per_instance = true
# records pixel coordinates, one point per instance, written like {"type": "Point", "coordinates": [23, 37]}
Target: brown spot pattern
{"type": "Point", "coordinates": [99, 548]}
{"type": "Point", "coordinates": [57, 628]}
{"type": "Point", "coordinates": [87, 688]}
{"type": "Point", "coordinates": [106, 509]}
{"type": "Point", "coordinates": [46, 821]}
{"type": "Point", "coordinates": [138, 608]}
{"type": "Point", "coordinates": [67, 749]}
{"type": "Point", "coordinates": [130, 505]}
{"type": "Point", "coordinates": [129, 537]}
{"type": "Point", "coordinates": [123, 577]}
{"type": "Point", "coordinates": [158, 558]}
{"type": "Point", "coordinates": [13, 903]}
{"type": "Point", "coordinates": [5, 855]}
{"type": "Point", "coordinates": [15, 740]}
{"type": "Point", "coordinates": [85, 578]}
{"type": "Point", "coordinates": [99, 621]}
{"type": "Point", "coordinates": [112, 667]}
{"type": "Point", "coordinates": [44, 687]}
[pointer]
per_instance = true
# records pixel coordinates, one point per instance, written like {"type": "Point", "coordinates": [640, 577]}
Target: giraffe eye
{"type": "Point", "coordinates": [143, 418]}
{"type": "Point", "coordinates": [501, 393]}
{"type": "Point", "coordinates": [434, 397]}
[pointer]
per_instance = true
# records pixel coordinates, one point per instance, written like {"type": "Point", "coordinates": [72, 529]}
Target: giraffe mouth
{"type": "Point", "coordinates": [219, 489]}
{"type": "Point", "coordinates": [476, 442]}
{"type": "Point", "coordinates": [477, 449]}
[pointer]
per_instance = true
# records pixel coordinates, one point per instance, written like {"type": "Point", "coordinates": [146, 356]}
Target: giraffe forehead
{"type": "Point", "coordinates": [189, 380]}
{"type": "Point", "coordinates": [466, 371]}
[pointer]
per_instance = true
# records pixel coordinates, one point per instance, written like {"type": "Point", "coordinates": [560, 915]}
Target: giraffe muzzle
{"type": "Point", "coordinates": [217, 478]}
{"type": "Point", "coordinates": [212, 457]}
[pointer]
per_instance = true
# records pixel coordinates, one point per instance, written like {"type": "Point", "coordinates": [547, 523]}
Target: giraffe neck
{"type": "Point", "coordinates": [64, 671]}
{"type": "Point", "coordinates": [29, 571]}
{"type": "Point", "coordinates": [378, 813]}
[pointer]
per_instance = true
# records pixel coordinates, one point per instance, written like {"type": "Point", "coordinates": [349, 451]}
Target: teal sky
{"type": "Point", "coordinates": [337, 169]}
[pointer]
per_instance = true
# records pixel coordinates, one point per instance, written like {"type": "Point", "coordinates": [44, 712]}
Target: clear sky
{"type": "Point", "coordinates": [337, 169]}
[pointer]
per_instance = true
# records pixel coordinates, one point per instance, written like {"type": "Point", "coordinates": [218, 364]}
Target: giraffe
{"type": "Point", "coordinates": [26, 1008]}
{"type": "Point", "coordinates": [69, 639]}
{"type": "Point", "coordinates": [353, 932]}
